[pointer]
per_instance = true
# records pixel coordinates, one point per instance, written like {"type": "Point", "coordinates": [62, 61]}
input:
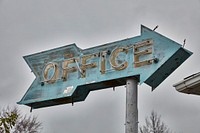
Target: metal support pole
{"type": "Point", "coordinates": [131, 106]}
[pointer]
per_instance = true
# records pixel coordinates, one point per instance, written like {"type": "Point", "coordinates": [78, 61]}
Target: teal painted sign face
{"type": "Point", "coordinates": [67, 74]}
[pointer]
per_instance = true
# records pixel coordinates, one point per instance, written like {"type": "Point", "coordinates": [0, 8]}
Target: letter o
{"type": "Point", "coordinates": [50, 72]}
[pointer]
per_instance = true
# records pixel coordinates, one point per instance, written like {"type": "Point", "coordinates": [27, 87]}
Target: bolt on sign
{"type": "Point", "coordinates": [67, 74]}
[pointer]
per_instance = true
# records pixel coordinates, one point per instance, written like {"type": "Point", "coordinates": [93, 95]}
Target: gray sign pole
{"type": "Point", "coordinates": [131, 106]}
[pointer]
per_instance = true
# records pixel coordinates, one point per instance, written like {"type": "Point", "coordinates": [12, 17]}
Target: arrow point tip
{"type": "Point", "coordinates": [145, 29]}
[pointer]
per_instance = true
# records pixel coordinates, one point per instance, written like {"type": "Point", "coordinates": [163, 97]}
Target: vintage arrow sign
{"type": "Point", "coordinates": [67, 74]}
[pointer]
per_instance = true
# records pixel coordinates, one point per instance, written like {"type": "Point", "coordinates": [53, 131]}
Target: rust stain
{"type": "Point", "coordinates": [68, 55]}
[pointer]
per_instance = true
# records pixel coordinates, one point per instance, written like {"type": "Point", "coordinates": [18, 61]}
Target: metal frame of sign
{"type": "Point", "coordinates": [67, 74]}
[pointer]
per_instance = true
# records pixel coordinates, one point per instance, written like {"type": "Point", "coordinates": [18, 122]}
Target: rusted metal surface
{"type": "Point", "coordinates": [67, 74]}
{"type": "Point", "coordinates": [138, 53]}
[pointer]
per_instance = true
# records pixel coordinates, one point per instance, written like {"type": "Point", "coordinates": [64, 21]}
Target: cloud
{"type": "Point", "coordinates": [32, 26]}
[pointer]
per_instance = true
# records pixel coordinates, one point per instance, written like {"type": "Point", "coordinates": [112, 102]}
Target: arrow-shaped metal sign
{"type": "Point", "coordinates": [67, 74]}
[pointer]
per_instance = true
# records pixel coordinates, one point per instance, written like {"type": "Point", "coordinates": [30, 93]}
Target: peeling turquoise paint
{"type": "Point", "coordinates": [167, 55]}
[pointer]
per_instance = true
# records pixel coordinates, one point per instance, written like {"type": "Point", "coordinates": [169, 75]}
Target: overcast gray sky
{"type": "Point", "coordinates": [30, 26]}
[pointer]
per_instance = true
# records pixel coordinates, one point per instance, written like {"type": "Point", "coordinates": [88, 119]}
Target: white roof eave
{"type": "Point", "coordinates": [189, 85]}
